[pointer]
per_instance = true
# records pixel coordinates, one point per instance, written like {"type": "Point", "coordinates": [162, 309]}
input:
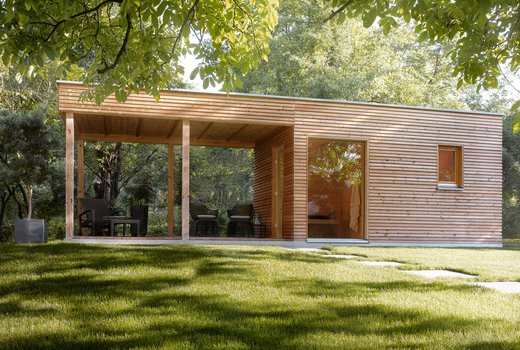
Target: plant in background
{"type": "Point", "coordinates": [25, 144]}
{"type": "Point", "coordinates": [141, 191]}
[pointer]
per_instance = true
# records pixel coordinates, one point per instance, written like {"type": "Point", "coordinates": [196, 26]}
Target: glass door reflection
{"type": "Point", "coordinates": [336, 180]}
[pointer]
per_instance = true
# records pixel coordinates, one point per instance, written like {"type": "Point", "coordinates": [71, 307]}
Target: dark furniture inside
{"type": "Point", "coordinates": [241, 221]}
{"type": "Point", "coordinates": [204, 221]}
{"type": "Point", "coordinates": [97, 216]}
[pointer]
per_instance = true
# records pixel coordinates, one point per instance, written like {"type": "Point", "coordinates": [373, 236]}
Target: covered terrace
{"type": "Point", "coordinates": [188, 118]}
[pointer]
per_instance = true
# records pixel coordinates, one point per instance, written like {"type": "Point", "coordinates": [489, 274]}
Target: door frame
{"type": "Point", "coordinates": [277, 225]}
{"type": "Point", "coordinates": [366, 141]}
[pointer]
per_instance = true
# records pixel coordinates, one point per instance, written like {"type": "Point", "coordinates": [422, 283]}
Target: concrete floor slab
{"type": "Point", "coordinates": [504, 287]}
{"type": "Point", "coordinates": [438, 273]}
{"type": "Point", "coordinates": [380, 263]}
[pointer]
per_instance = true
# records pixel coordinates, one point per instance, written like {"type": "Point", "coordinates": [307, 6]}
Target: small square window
{"type": "Point", "coordinates": [450, 167]}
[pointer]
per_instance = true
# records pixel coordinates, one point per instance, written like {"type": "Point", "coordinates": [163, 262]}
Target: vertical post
{"type": "Point", "coordinates": [81, 166]}
{"type": "Point", "coordinates": [185, 179]}
{"type": "Point", "coordinates": [171, 192]}
{"type": "Point", "coordinates": [69, 174]}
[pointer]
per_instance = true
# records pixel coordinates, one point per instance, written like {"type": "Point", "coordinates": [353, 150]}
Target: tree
{"type": "Point", "coordinates": [221, 177]}
{"type": "Point", "coordinates": [24, 155]}
{"type": "Point", "coordinates": [511, 180]}
{"type": "Point", "coordinates": [114, 165]}
{"type": "Point", "coordinates": [312, 59]}
{"type": "Point", "coordinates": [126, 45]}
{"type": "Point", "coordinates": [485, 34]}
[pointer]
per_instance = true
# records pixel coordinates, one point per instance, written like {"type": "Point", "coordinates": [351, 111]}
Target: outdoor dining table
{"type": "Point", "coordinates": [121, 220]}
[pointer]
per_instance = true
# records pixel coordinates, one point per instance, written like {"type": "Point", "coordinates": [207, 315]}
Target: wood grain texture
{"type": "Point", "coordinates": [69, 175]}
{"type": "Point", "coordinates": [171, 192]}
{"type": "Point", "coordinates": [263, 180]}
{"type": "Point", "coordinates": [185, 179]}
{"type": "Point", "coordinates": [402, 198]}
{"type": "Point", "coordinates": [404, 204]}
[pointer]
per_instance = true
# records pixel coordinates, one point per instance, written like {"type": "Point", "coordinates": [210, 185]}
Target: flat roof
{"type": "Point", "coordinates": [311, 99]}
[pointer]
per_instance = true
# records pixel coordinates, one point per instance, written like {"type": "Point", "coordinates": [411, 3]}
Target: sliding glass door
{"type": "Point", "coordinates": [336, 182]}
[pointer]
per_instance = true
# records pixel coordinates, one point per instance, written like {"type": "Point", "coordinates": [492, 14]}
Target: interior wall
{"type": "Point", "coordinates": [263, 181]}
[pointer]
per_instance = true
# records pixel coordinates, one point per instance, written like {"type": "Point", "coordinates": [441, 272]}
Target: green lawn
{"type": "Point", "coordinates": [192, 297]}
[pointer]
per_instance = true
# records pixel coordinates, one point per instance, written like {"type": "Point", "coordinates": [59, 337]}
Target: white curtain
{"type": "Point", "coordinates": [355, 208]}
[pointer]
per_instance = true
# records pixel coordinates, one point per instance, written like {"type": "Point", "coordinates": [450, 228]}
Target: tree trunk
{"type": "Point", "coordinates": [4, 199]}
{"type": "Point", "coordinates": [29, 201]}
{"type": "Point", "coordinates": [12, 191]}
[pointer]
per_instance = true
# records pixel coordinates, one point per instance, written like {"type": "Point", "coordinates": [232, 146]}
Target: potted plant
{"type": "Point", "coordinates": [25, 144]}
{"type": "Point", "coordinates": [140, 193]}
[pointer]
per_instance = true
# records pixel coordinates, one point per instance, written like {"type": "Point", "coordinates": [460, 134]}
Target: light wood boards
{"type": "Point", "coordinates": [404, 204]}
{"type": "Point", "coordinates": [171, 192]}
{"type": "Point", "coordinates": [263, 181]}
{"type": "Point", "coordinates": [185, 179]}
{"type": "Point", "coordinates": [69, 175]}
{"type": "Point", "coordinates": [402, 198]}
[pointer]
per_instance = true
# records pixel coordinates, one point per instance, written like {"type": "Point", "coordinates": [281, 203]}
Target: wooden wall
{"type": "Point", "coordinates": [262, 181]}
{"type": "Point", "coordinates": [404, 204]}
{"type": "Point", "coordinates": [195, 106]}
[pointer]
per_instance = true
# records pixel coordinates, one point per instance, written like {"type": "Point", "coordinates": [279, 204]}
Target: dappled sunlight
{"type": "Point", "coordinates": [80, 296]}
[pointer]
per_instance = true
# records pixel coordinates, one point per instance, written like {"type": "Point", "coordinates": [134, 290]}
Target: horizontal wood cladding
{"type": "Point", "coordinates": [179, 104]}
{"type": "Point", "coordinates": [263, 181]}
{"type": "Point", "coordinates": [404, 204]}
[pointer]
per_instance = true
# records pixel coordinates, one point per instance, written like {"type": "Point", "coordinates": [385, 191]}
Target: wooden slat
{"type": "Point", "coordinates": [403, 202]}
{"type": "Point", "coordinates": [172, 129]}
{"type": "Point", "coordinates": [81, 172]}
{"type": "Point", "coordinates": [161, 140]}
{"type": "Point", "coordinates": [263, 181]}
{"type": "Point", "coordinates": [138, 128]}
{"type": "Point", "coordinates": [69, 175]}
{"type": "Point", "coordinates": [185, 179]}
{"type": "Point", "coordinates": [205, 130]}
{"type": "Point", "coordinates": [236, 133]}
{"type": "Point", "coordinates": [171, 191]}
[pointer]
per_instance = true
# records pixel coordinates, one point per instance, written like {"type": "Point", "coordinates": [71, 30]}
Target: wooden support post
{"type": "Point", "coordinates": [81, 172]}
{"type": "Point", "coordinates": [171, 192]}
{"type": "Point", "coordinates": [69, 175]}
{"type": "Point", "coordinates": [185, 179]}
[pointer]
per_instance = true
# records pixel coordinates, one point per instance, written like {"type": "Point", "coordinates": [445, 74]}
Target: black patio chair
{"type": "Point", "coordinates": [241, 221]}
{"type": "Point", "coordinates": [96, 216]}
{"type": "Point", "coordinates": [204, 221]}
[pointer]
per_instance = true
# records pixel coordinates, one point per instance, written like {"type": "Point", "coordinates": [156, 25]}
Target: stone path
{"type": "Point", "coordinates": [381, 263]}
{"type": "Point", "coordinates": [337, 256]}
{"type": "Point", "coordinates": [438, 273]}
{"type": "Point", "coordinates": [504, 287]}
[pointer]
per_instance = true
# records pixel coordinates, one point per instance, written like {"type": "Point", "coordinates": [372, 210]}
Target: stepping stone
{"type": "Point", "coordinates": [504, 287]}
{"type": "Point", "coordinates": [438, 273]}
{"type": "Point", "coordinates": [380, 263]}
{"type": "Point", "coordinates": [308, 250]}
{"type": "Point", "coordinates": [337, 256]}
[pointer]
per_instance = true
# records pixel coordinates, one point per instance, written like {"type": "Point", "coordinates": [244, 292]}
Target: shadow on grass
{"type": "Point", "coordinates": [188, 311]}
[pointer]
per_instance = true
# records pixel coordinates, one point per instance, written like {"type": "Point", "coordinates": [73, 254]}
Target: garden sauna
{"type": "Point", "coordinates": [324, 171]}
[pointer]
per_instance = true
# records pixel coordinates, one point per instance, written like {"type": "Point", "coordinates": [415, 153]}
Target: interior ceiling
{"type": "Point", "coordinates": [133, 129]}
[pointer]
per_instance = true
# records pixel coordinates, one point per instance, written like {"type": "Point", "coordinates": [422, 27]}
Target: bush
{"type": "Point", "coordinates": [56, 229]}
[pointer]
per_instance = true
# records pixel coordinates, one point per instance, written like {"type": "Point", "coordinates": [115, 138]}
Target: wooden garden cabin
{"type": "Point", "coordinates": [324, 171]}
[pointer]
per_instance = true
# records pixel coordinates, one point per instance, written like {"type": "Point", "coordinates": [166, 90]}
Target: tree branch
{"type": "Point", "coordinates": [335, 13]}
{"type": "Point", "coordinates": [121, 49]}
{"type": "Point", "coordinates": [79, 14]}
{"type": "Point", "coordinates": [190, 11]}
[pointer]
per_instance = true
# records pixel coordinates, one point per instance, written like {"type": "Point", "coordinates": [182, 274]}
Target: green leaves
{"type": "Point", "coordinates": [484, 34]}
{"type": "Point", "coordinates": [137, 44]}
{"type": "Point", "coordinates": [369, 17]}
